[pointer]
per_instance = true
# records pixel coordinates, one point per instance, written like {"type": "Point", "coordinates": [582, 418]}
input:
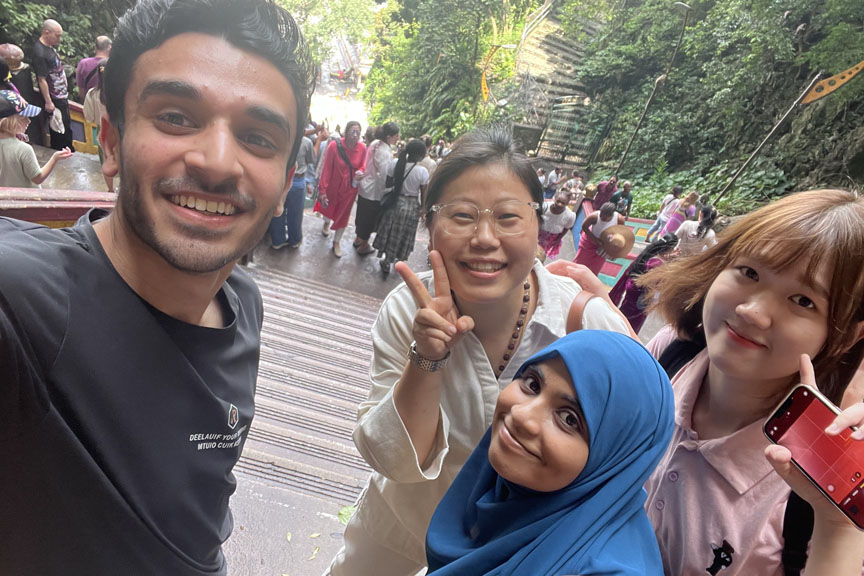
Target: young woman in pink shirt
{"type": "Point", "coordinates": [782, 282]}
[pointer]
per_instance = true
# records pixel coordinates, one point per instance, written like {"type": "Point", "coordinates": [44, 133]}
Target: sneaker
{"type": "Point", "coordinates": [325, 231]}
{"type": "Point", "coordinates": [279, 246]}
{"type": "Point", "coordinates": [385, 267]}
{"type": "Point", "coordinates": [295, 245]}
{"type": "Point", "coordinates": [364, 251]}
{"type": "Point", "coordinates": [337, 250]}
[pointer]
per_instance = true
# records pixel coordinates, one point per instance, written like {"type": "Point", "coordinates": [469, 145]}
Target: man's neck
{"type": "Point", "coordinates": [186, 296]}
{"type": "Point", "coordinates": [44, 43]}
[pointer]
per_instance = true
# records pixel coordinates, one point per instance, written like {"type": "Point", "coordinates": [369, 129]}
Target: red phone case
{"type": "Point", "coordinates": [834, 464]}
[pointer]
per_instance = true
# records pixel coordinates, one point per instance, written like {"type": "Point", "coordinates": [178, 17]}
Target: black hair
{"type": "Point", "coordinates": [606, 209]}
{"type": "Point", "coordinates": [4, 72]}
{"type": "Point", "coordinates": [677, 190]}
{"type": "Point", "coordinates": [709, 214]}
{"type": "Point", "coordinates": [386, 130]}
{"type": "Point", "coordinates": [493, 145]}
{"type": "Point", "coordinates": [258, 26]}
{"type": "Point", "coordinates": [414, 151]}
{"type": "Point", "coordinates": [660, 246]}
{"type": "Point", "coordinates": [349, 125]}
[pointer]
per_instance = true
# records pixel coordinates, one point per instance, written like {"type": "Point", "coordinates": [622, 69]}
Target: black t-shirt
{"type": "Point", "coordinates": [119, 425]}
{"type": "Point", "coordinates": [47, 65]}
{"type": "Point", "coordinates": [23, 81]}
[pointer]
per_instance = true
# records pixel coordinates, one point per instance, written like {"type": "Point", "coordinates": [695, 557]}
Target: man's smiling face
{"type": "Point", "coordinates": [203, 168]}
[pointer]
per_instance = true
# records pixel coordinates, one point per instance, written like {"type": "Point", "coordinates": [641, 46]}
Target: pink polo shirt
{"type": "Point", "coordinates": [716, 505]}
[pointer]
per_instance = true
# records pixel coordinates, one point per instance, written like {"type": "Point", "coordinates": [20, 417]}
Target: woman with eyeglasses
{"type": "Point", "coordinates": [447, 341]}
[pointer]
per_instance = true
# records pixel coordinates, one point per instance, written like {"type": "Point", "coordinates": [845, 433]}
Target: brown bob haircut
{"type": "Point", "coordinates": [820, 228]}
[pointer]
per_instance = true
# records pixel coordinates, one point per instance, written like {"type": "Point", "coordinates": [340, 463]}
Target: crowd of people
{"type": "Point", "coordinates": [380, 177]}
{"type": "Point", "coordinates": [514, 422]}
{"type": "Point", "coordinates": [43, 87]}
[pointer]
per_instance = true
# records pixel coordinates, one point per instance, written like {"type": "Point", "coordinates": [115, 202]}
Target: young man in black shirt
{"type": "Point", "coordinates": [129, 343]}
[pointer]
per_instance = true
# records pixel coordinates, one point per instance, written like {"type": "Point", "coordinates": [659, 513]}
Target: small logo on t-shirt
{"type": "Point", "coordinates": [233, 416]}
{"type": "Point", "coordinates": [722, 558]}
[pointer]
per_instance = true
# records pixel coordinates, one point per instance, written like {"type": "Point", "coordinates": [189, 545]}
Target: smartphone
{"type": "Point", "coordinates": [834, 464]}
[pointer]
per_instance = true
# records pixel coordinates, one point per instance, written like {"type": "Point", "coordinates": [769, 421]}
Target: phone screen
{"type": "Point", "coordinates": [834, 463]}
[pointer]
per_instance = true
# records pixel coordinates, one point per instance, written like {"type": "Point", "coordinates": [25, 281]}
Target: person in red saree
{"type": "Point", "coordinates": [344, 162]}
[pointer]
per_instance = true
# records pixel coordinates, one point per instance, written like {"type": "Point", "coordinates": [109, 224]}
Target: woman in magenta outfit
{"type": "Point", "coordinates": [633, 306]}
{"type": "Point", "coordinates": [589, 243]}
{"type": "Point", "coordinates": [605, 190]}
{"type": "Point", "coordinates": [337, 188]}
{"type": "Point", "coordinates": [686, 211]}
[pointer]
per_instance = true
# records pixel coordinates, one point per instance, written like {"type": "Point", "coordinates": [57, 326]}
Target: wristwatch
{"type": "Point", "coordinates": [424, 363]}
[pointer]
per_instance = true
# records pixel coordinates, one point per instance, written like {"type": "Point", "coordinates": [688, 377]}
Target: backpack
{"type": "Point", "coordinates": [798, 517]}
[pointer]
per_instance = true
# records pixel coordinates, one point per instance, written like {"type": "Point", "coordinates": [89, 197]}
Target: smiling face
{"type": "Point", "coordinates": [539, 435]}
{"type": "Point", "coordinates": [203, 168]}
{"type": "Point", "coordinates": [486, 267]}
{"type": "Point", "coordinates": [759, 321]}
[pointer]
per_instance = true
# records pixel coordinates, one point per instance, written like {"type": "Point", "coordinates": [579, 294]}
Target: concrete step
{"type": "Point", "coordinates": [295, 476]}
{"type": "Point", "coordinates": [313, 372]}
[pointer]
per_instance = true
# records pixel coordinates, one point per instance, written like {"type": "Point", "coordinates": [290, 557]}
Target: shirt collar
{"type": "Point", "coordinates": [746, 447]}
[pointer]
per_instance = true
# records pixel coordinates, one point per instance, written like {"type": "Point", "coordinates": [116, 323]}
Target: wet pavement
{"type": "Point", "coordinates": [78, 172]}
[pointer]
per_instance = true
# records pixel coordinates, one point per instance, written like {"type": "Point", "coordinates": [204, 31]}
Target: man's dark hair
{"type": "Point", "coordinates": [258, 26]}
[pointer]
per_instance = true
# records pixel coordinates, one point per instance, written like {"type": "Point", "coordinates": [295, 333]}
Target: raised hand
{"type": "Point", "coordinates": [437, 325]}
{"type": "Point", "coordinates": [62, 154]}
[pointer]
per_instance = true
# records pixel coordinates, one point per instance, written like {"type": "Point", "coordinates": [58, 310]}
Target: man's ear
{"type": "Point", "coordinates": [289, 181]}
{"type": "Point", "coordinates": [109, 139]}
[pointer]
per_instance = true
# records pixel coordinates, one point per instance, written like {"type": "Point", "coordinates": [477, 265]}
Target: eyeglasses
{"type": "Point", "coordinates": [354, 132]}
{"type": "Point", "coordinates": [511, 218]}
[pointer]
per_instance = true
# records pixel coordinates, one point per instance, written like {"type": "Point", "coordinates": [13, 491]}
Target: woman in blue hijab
{"type": "Point", "coordinates": [555, 486]}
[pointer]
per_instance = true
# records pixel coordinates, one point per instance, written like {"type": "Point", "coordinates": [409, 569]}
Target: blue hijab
{"type": "Point", "coordinates": [596, 525]}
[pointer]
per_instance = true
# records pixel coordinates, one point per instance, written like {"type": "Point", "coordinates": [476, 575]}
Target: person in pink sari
{"type": "Point", "coordinates": [686, 211]}
{"type": "Point", "coordinates": [337, 188]}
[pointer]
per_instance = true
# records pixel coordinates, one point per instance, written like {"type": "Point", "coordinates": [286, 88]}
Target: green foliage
{"type": "Point", "coordinates": [761, 182]}
{"type": "Point", "coordinates": [741, 65]}
{"type": "Point", "coordinates": [322, 20]}
{"type": "Point", "coordinates": [429, 61]}
{"type": "Point", "coordinates": [20, 21]}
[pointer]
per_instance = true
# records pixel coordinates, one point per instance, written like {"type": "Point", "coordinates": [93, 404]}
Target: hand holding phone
{"type": "Point", "coordinates": [832, 461]}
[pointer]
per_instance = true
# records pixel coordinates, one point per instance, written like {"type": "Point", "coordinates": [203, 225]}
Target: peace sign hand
{"type": "Point", "coordinates": [437, 325]}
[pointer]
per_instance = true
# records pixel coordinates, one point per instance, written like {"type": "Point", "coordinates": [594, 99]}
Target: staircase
{"type": "Point", "coordinates": [315, 354]}
{"type": "Point", "coordinates": [547, 62]}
